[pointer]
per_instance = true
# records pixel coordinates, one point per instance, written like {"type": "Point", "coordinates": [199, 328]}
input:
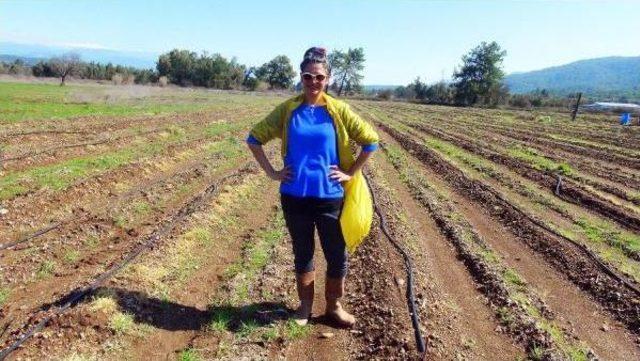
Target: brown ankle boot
{"type": "Point", "coordinates": [334, 289]}
{"type": "Point", "coordinates": [305, 283]}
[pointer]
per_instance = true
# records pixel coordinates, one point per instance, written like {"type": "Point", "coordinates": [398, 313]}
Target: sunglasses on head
{"type": "Point", "coordinates": [311, 77]}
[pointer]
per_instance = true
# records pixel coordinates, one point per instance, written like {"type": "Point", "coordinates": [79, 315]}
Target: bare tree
{"type": "Point", "coordinates": [66, 65]}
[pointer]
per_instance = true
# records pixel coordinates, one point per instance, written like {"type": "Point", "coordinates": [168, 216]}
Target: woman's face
{"type": "Point", "coordinates": [314, 86]}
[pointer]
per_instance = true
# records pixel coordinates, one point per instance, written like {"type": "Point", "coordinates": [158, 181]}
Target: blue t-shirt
{"type": "Point", "coordinates": [311, 150]}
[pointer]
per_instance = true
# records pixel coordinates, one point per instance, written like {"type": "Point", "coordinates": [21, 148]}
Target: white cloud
{"type": "Point", "coordinates": [83, 46]}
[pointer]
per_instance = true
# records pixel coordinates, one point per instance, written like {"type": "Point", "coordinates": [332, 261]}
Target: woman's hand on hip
{"type": "Point", "coordinates": [338, 175]}
{"type": "Point", "coordinates": [284, 175]}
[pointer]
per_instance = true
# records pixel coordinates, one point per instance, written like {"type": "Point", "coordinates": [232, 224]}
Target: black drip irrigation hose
{"type": "Point", "coordinates": [558, 189]}
{"type": "Point", "coordinates": [409, 267]}
{"type": "Point", "coordinates": [78, 295]}
{"type": "Point", "coordinates": [580, 246]}
{"type": "Point", "coordinates": [64, 221]}
{"type": "Point", "coordinates": [558, 185]}
{"type": "Point", "coordinates": [39, 233]}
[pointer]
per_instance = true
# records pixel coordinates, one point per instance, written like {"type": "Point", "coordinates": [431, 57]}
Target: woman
{"type": "Point", "coordinates": [315, 130]}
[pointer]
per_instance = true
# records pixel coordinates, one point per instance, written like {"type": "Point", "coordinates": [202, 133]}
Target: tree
{"type": "Point", "coordinates": [178, 66]}
{"type": "Point", "coordinates": [346, 68]}
{"type": "Point", "coordinates": [479, 80]}
{"type": "Point", "coordinates": [146, 76]}
{"type": "Point", "coordinates": [18, 67]}
{"type": "Point", "coordinates": [440, 93]}
{"type": "Point", "coordinates": [68, 64]}
{"type": "Point", "coordinates": [42, 69]}
{"type": "Point", "coordinates": [278, 72]}
{"type": "Point", "coordinates": [184, 67]}
{"type": "Point", "coordinates": [419, 89]}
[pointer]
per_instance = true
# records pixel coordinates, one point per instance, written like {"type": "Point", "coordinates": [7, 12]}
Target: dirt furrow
{"type": "Point", "coordinates": [40, 208]}
{"type": "Point", "coordinates": [49, 149]}
{"type": "Point", "coordinates": [625, 178]}
{"type": "Point", "coordinates": [619, 193]}
{"type": "Point", "coordinates": [606, 238]}
{"type": "Point", "coordinates": [521, 313]}
{"type": "Point", "coordinates": [622, 302]}
{"type": "Point", "coordinates": [76, 279]}
{"type": "Point", "coordinates": [459, 324]}
{"type": "Point", "coordinates": [600, 128]}
{"type": "Point", "coordinates": [569, 189]}
{"type": "Point", "coordinates": [609, 339]}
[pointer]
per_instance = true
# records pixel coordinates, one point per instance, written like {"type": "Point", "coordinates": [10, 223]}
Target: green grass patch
{"type": "Point", "coordinates": [506, 317]}
{"type": "Point", "coordinates": [19, 101]}
{"type": "Point", "coordinates": [71, 256]}
{"type": "Point", "coordinates": [293, 331]}
{"type": "Point", "coordinates": [4, 295]}
{"type": "Point", "coordinates": [141, 207]}
{"type": "Point", "coordinates": [257, 255]}
{"type": "Point", "coordinates": [189, 355]}
{"type": "Point", "coordinates": [271, 334]}
{"type": "Point", "coordinates": [228, 148]}
{"type": "Point", "coordinates": [201, 235]}
{"type": "Point", "coordinates": [247, 328]}
{"type": "Point", "coordinates": [120, 221]}
{"type": "Point", "coordinates": [121, 323]}
{"type": "Point", "coordinates": [92, 242]}
{"type": "Point", "coordinates": [105, 303]}
{"type": "Point", "coordinates": [217, 129]}
{"type": "Point", "coordinates": [61, 175]}
{"type": "Point", "coordinates": [512, 278]}
{"type": "Point", "coordinates": [538, 161]}
{"type": "Point", "coordinates": [235, 312]}
{"type": "Point", "coordinates": [46, 269]}
{"type": "Point", "coordinates": [221, 318]}
{"type": "Point", "coordinates": [602, 232]}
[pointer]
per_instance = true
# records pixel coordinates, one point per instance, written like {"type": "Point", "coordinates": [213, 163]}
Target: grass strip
{"type": "Point", "coordinates": [192, 248]}
{"type": "Point", "coordinates": [20, 101]}
{"type": "Point", "coordinates": [61, 175]}
{"type": "Point", "coordinates": [516, 306]}
{"type": "Point", "coordinates": [614, 245]}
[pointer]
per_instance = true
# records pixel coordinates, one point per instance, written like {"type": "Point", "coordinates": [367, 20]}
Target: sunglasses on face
{"type": "Point", "coordinates": [312, 77]}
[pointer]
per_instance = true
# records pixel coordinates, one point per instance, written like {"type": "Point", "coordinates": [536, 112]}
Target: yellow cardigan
{"type": "Point", "coordinates": [357, 211]}
{"type": "Point", "coordinates": [347, 123]}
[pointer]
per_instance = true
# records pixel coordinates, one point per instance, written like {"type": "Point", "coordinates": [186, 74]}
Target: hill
{"type": "Point", "coordinates": [37, 52]}
{"type": "Point", "coordinates": [614, 74]}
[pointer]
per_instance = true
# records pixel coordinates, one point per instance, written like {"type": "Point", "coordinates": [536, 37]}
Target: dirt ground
{"type": "Point", "coordinates": [158, 238]}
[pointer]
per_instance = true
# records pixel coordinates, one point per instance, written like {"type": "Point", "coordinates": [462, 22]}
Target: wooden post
{"type": "Point", "coordinates": [575, 110]}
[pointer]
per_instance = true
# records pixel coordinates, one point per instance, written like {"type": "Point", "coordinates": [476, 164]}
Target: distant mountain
{"type": "Point", "coordinates": [614, 74]}
{"type": "Point", "coordinates": [29, 61]}
{"type": "Point", "coordinates": [32, 52]}
{"type": "Point", "coordinates": [372, 88]}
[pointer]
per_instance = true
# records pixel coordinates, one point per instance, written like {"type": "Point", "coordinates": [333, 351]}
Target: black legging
{"type": "Point", "coordinates": [302, 216]}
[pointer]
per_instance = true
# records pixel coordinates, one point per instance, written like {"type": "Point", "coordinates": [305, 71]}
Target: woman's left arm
{"type": "Point", "coordinates": [364, 134]}
{"type": "Point", "coordinates": [342, 176]}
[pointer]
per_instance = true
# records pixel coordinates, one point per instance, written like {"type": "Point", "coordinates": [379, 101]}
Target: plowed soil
{"type": "Point", "coordinates": [170, 241]}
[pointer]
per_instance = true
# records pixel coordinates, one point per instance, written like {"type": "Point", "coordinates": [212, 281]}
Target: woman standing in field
{"type": "Point", "coordinates": [315, 130]}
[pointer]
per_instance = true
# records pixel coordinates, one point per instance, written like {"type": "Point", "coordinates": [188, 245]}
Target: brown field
{"type": "Point", "coordinates": [139, 227]}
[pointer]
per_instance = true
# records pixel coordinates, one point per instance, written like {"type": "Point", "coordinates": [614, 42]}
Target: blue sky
{"type": "Point", "coordinates": [402, 39]}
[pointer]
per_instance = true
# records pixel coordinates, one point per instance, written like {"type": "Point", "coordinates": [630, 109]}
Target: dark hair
{"type": "Point", "coordinates": [315, 55]}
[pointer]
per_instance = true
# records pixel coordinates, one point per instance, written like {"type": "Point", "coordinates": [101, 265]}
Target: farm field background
{"type": "Point", "coordinates": [135, 225]}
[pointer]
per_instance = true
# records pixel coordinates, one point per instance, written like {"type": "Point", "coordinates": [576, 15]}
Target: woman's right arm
{"type": "Point", "coordinates": [270, 127]}
{"type": "Point", "coordinates": [283, 175]}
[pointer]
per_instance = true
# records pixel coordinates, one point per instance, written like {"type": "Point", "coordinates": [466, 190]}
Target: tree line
{"type": "Point", "coordinates": [187, 68]}
{"type": "Point", "coordinates": [70, 65]}
{"type": "Point", "coordinates": [477, 82]}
